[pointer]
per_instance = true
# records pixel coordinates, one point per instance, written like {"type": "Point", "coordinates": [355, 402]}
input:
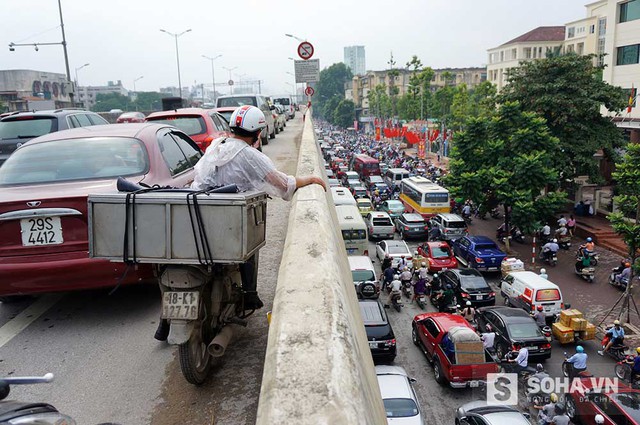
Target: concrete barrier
{"type": "Point", "coordinates": [318, 367]}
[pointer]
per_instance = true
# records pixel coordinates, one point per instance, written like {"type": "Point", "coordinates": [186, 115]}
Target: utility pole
{"type": "Point", "coordinates": [66, 55]}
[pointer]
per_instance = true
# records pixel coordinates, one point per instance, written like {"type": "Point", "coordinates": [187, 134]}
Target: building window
{"type": "Point", "coordinates": [630, 11]}
{"type": "Point", "coordinates": [602, 27]}
{"type": "Point", "coordinates": [570, 48]}
{"type": "Point", "coordinates": [539, 52]}
{"type": "Point", "coordinates": [514, 53]}
{"type": "Point", "coordinates": [571, 32]}
{"type": "Point", "coordinates": [527, 52]}
{"type": "Point", "coordinates": [592, 29]}
{"type": "Point", "coordinates": [627, 55]}
{"type": "Point", "coordinates": [502, 56]}
{"type": "Point", "coordinates": [580, 48]}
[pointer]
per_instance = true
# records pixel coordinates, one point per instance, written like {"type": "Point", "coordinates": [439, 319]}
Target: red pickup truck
{"type": "Point", "coordinates": [454, 349]}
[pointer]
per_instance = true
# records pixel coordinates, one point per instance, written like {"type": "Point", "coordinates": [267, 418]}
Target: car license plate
{"type": "Point", "coordinates": [180, 305]}
{"type": "Point", "coordinates": [373, 345]}
{"type": "Point", "coordinates": [478, 297]}
{"type": "Point", "coordinates": [351, 250]}
{"type": "Point", "coordinates": [532, 348]}
{"type": "Point", "coordinates": [41, 231]}
{"type": "Point", "coordinates": [474, 384]}
{"type": "Point", "coordinates": [492, 269]}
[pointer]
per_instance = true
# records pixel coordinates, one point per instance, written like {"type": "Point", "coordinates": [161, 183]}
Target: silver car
{"type": "Point", "coordinates": [483, 413]}
{"type": "Point", "coordinates": [398, 396]}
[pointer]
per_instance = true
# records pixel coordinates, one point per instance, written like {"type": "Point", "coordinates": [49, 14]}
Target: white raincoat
{"type": "Point", "coordinates": [232, 161]}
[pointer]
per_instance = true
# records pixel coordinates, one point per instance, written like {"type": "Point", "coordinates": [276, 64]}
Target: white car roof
{"type": "Point", "coordinates": [393, 382]}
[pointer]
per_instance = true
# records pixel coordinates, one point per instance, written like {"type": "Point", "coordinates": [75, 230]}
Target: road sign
{"type": "Point", "coordinates": [307, 71]}
{"type": "Point", "coordinates": [309, 91]}
{"type": "Point", "coordinates": [305, 50]}
{"type": "Point", "coordinates": [230, 82]}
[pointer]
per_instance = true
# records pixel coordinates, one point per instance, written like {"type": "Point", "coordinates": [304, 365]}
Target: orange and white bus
{"type": "Point", "coordinates": [422, 196]}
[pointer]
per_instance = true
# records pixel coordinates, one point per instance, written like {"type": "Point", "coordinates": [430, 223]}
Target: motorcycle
{"type": "Point", "coordinates": [623, 369]}
{"type": "Point", "coordinates": [200, 302]}
{"type": "Point", "coordinates": [586, 273]}
{"type": "Point", "coordinates": [495, 213]}
{"type": "Point", "coordinates": [564, 242]}
{"type": "Point", "coordinates": [617, 352]}
{"type": "Point", "coordinates": [421, 299]}
{"type": "Point", "coordinates": [395, 302]}
{"type": "Point", "coordinates": [517, 235]}
{"type": "Point", "coordinates": [16, 412]}
{"type": "Point", "coordinates": [551, 258]}
{"type": "Point", "coordinates": [546, 331]}
{"type": "Point", "coordinates": [613, 281]}
{"type": "Point", "coordinates": [593, 256]}
{"type": "Point", "coordinates": [406, 288]}
{"type": "Point", "coordinates": [568, 371]}
{"type": "Point", "coordinates": [452, 307]}
{"type": "Point", "coordinates": [506, 365]}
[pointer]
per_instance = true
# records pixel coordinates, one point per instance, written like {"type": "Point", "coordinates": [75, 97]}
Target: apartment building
{"type": "Point", "coordinates": [354, 58]}
{"type": "Point", "coordinates": [532, 45]}
{"type": "Point", "coordinates": [87, 94]}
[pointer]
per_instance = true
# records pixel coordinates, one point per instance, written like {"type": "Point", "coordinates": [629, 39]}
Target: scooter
{"type": "Point", "coordinates": [546, 331]}
{"type": "Point", "coordinates": [421, 300]}
{"type": "Point", "coordinates": [435, 301]}
{"type": "Point", "coordinates": [617, 352]}
{"type": "Point", "coordinates": [564, 242]}
{"type": "Point", "coordinates": [395, 302]}
{"type": "Point", "coordinates": [508, 366]}
{"type": "Point", "coordinates": [623, 369]}
{"type": "Point", "coordinates": [406, 288]}
{"type": "Point", "coordinates": [517, 235]}
{"type": "Point", "coordinates": [550, 259]}
{"type": "Point", "coordinates": [16, 412]}
{"type": "Point", "coordinates": [569, 371]}
{"type": "Point", "coordinates": [495, 213]}
{"type": "Point", "coordinates": [613, 279]}
{"type": "Point", "coordinates": [586, 273]}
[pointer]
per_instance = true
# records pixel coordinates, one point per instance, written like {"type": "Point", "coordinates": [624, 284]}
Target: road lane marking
{"type": "Point", "coordinates": [27, 317]}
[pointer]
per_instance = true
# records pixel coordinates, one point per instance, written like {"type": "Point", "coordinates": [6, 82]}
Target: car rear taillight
{"type": "Point", "coordinates": [406, 227]}
{"type": "Point", "coordinates": [409, 258]}
{"type": "Point", "coordinates": [464, 295]}
{"type": "Point", "coordinates": [426, 227]}
{"type": "Point", "coordinates": [546, 346]}
{"type": "Point", "coordinates": [390, 343]}
{"type": "Point", "coordinates": [492, 294]}
{"type": "Point", "coordinates": [366, 252]}
{"type": "Point", "coordinates": [479, 260]}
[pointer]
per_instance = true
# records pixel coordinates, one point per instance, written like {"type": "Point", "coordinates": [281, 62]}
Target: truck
{"type": "Point", "coordinates": [454, 350]}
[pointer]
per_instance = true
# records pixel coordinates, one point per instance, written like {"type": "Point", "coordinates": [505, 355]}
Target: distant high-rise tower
{"type": "Point", "coordinates": [354, 59]}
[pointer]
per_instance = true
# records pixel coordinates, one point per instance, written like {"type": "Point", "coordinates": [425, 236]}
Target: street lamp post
{"type": "Point", "coordinates": [84, 103]}
{"type": "Point", "coordinates": [230, 79]}
{"type": "Point", "coordinates": [175, 36]}
{"type": "Point", "coordinates": [293, 90]}
{"type": "Point", "coordinates": [134, 82]}
{"type": "Point", "coordinates": [297, 38]}
{"type": "Point", "coordinates": [213, 75]}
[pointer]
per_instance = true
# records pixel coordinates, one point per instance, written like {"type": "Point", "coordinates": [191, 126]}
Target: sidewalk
{"type": "Point", "coordinates": [599, 228]}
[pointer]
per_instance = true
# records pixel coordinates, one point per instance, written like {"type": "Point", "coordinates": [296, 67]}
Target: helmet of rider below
{"type": "Point", "coordinates": [539, 308]}
{"type": "Point", "coordinates": [553, 397]}
{"type": "Point", "coordinates": [468, 303]}
{"type": "Point", "coordinates": [616, 322]}
{"type": "Point", "coordinates": [589, 239]}
{"type": "Point", "coordinates": [424, 264]}
{"type": "Point", "coordinates": [579, 349]}
{"type": "Point", "coordinates": [543, 271]}
{"type": "Point", "coordinates": [555, 241]}
{"type": "Point", "coordinates": [435, 275]}
{"type": "Point", "coordinates": [627, 264]}
{"type": "Point", "coordinates": [539, 368]}
{"type": "Point", "coordinates": [599, 419]}
{"type": "Point", "coordinates": [247, 120]}
{"type": "Point", "coordinates": [396, 277]}
{"type": "Point", "coordinates": [638, 350]}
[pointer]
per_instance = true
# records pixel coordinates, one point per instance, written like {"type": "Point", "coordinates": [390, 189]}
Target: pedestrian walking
{"type": "Point", "coordinates": [571, 225]}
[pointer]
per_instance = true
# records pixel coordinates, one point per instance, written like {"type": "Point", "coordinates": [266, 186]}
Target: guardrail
{"type": "Point", "coordinates": [318, 367]}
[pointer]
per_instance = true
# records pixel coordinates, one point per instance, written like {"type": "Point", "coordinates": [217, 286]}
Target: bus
{"type": "Point", "coordinates": [342, 196]}
{"type": "Point", "coordinates": [353, 229]}
{"type": "Point", "coordinates": [422, 196]}
{"type": "Point", "coordinates": [365, 166]}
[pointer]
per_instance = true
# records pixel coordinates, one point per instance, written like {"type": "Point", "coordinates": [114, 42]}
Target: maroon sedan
{"type": "Point", "coordinates": [202, 125]}
{"type": "Point", "coordinates": [43, 200]}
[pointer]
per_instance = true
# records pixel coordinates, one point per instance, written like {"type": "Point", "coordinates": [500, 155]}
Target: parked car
{"type": "Point", "coordinates": [17, 128]}
{"type": "Point", "coordinates": [259, 101]}
{"type": "Point", "coordinates": [514, 329]}
{"type": "Point", "coordinates": [482, 413]}
{"type": "Point", "coordinates": [130, 117]}
{"type": "Point", "coordinates": [334, 183]}
{"type": "Point", "coordinates": [226, 112]}
{"type": "Point", "coordinates": [451, 226]}
{"type": "Point", "coordinates": [395, 249]}
{"type": "Point", "coordinates": [398, 396]}
{"type": "Point", "coordinates": [280, 118]}
{"type": "Point", "coordinates": [364, 206]}
{"type": "Point", "coordinates": [412, 226]}
{"type": "Point", "coordinates": [379, 225]}
{"type": "Point", "coordinates": [44, 187]}
{"type": "Point", "coordinates": [468, 369]}
{"type": "Point", "coordinates": [202, 125]}
{"type": "Point", "coordinates": [619, 406]}
{"type": "Point", "coordinates": [469, 285]}
{"type": "Point", "coordinates": [393, 208]}
{"type": "Point", "coordinates": [372, 179]}
{"type": "Point", "coordinates": [382, 340]}
{"type": "Point", "coordinates": [439, 256]}
{"type": "Point", "coordinates": [287, 105]}
{"type": "Point", "coordinates": [478, 252]}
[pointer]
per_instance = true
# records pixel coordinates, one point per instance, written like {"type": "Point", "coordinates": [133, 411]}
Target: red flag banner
{"type": "Point", "coordinates": [632, 99]}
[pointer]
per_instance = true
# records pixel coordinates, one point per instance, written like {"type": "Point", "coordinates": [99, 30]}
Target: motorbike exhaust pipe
{"type": "Point", "coordinates": [218, 345]}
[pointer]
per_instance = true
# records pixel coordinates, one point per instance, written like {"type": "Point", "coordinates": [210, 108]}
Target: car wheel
{"type": "Point", "coordinates": [572, 411]}
{"type": "Point", "coordinates": [500, 352]}
{"type": "Point", "coordinates": [438, 374]}
{"type": "Point", "coordinates": [277, 130]}
{"type": "Point", "coordinates": [265, 140]}
{"type": "Point", "coordinates": [273, 134]}
{"type": "Point", "coordinates": [414, 336]}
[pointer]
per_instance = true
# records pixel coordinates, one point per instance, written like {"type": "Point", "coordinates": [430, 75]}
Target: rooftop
{"type": "Point", "coordinates": [540, 34]}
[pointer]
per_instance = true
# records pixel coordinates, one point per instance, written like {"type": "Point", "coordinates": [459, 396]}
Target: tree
{"type": "Point", "coordinates": [344, 114]}
{"type": "Point", "coordinates": [627, 177]}
{"type": "Point", "coordinates": [108, 101]}
{"type": "Point", "coordinates": [331, 83]}
{"type": "Point", "coordinates": [149, 101]}
{"type": "Point", "coordinates": [568, 93]}
{"type": "Point", "coordinates": [460, 106]}
{"type": "Point", "coordinates": [330, 106]}
{"type": "Point", "coordinates": [393, 90]}
{"type": "Point", "coordinates": [508, 159]}
{"type": "Point", "coordinates": [379, 102]}
{"type": "Point", "coordinates": [483, 99]}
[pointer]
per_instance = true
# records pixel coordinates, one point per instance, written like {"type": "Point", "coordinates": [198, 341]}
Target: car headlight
{"type": "Point", "coordinates": [51, 418]}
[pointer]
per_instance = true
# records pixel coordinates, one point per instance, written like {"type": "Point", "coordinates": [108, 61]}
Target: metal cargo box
{"type": "Point", "coordinates": [234, 225]}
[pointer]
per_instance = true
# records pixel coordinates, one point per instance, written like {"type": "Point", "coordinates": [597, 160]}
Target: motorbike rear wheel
{"type": "Point", "coordinates": [622, 371]}
{"type": "Point", "coordinates": [195, 360]}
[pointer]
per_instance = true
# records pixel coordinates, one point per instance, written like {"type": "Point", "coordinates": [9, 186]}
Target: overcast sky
{"type": "Point", "coordinates": [120, 39]}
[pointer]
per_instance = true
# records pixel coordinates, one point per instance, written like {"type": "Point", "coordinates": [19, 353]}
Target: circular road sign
{"type": "Point", "coordinates": [305, 50]}
{"type": "Point", "coordinates": [309, 91]}
{"type": "Point", "coordinates": [230, 82]}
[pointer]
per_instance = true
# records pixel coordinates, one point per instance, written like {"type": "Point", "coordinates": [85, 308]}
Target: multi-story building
{"type": "Point", "coordinates": [354, 58]}
{"type": "Point", "coordinates": [535, 44]}
{"type": "Point", "coordinates": [456, 76]}
{"type": "Point", "coordinates": [87, 94]}
{"type": "Point", "coordinates": [586, 36]}
{"type": "Point", "coordinates": [26, 89]}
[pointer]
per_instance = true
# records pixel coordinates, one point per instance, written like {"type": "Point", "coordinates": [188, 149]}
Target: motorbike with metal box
{"type": "Point", "coordinates": [201, 243]}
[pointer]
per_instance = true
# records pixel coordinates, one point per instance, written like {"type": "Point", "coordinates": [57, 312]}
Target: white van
{"type": "Point", "coordinates": [342, 196]}
{"type": "Point", "coordinates": [528, 290]}
{"type": "Point", "coordinates": [353, 229]}
{"type": "Point", "coordinates": [394, 176]}
{"type": "Point", "coordinates": [364, 276]}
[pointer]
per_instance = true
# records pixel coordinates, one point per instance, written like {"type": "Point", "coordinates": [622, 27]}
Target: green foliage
{"type": "Point", "coordinates": [330, 106]}
{"type": "Point", "coordinates": [379, 101]}
{"type": "Point", "coordinates": [483, 99]}
{"type": "Point", "coordinates": [460, 106]}
{"type": "Point", "coordinates": [344, 114]}
{"type": "Point", "coordinates": [331, 83]}
{"type": "Point", "coordinates": [627, 177]}
{"type": "Point", "coordinates": [568, 92]}
{"type": "Point", "coordinates": [508, 159]}
{"type": "Point", "coordinates": [145, 101]}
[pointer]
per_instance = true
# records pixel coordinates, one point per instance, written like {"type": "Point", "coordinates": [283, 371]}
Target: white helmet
{"type": "Point", "coordinates": [468, 303]}
{"type": "Point", "coordinates": [543, 271]}
{"type": "Point", "coordinates": [599, 419]}
{"type": "Point", "coordinates": [396, 277]}
{"type": "Point", "coordinates": [248, 118]}
{"type": "Point", "coordinates": [424, 264]}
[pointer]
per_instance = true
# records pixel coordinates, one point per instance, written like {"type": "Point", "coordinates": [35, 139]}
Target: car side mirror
{"type": "Point", "coordinates": [412, 380]}
{"type": "Point", "coordinates": [273, 108]}
{"type": "Point", "coordinates": [567, 306]}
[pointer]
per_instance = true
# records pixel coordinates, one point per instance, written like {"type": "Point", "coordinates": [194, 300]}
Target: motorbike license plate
{"type": "Point", "coordinates": [180, 305]}
{"type": "Point", "coordinates": [38, 231]}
